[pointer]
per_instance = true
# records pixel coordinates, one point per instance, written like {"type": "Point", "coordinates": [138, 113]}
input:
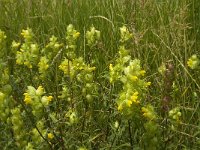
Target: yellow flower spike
{"type": "Point", "coordinates": [193, 62]}
{"type": "Point", "coordinates": [129, 102]}
{"type": "Point", "coordinates": [92, 69]}
{"type": "Point", "coordinates": [148, 84]}
{"type": "Point", "coordinates": [15, 44]}
{"type": "Point", "coordinates": [46, 99]}
{"type": "Point", "coordinates": [190, 63]}
{"type": "Point", "coordinates": [19, 58]}
{"type": "Point", "coordinates": [18, 52]}
{"type": "Point", "coordinates": [134, 99]}
{"type": "Point", "coordinates": [65, 66]}
{"type": "Point", "coordinates": [134, 78]}
{"type": "Point", "coordinates": [148, 113]}
{"type": "Point", "coordinates": [120, 107]}
{"type": "Point", "coordinates": [27, 99]}
{"type": "Point", "coordinates": [111, 79]}
{"type": "Point", "coordinates": [144, 109]}
{"type": "Point", "coordinates": [40, 91]}
{"type": "Point", "coordinates": [111, 67]}
{"type": "Point", "coordinates": [43, 64]}
{"type": "Point", "coordinates": [142, 72]}
{"type": "Point", "coordinates": [136, 93]}
{"type": "Point", "coordinates": [76, 35]}
{"type": "Point", "coordinates": [82, 148]}
{"type": "Point", "coordinates": [56, 45]}
{"type": "Point", "coordinates": [24, 32]}
{"type": "Point", "coordinates": [50, 136]}
{"type": "Point", "coordinates": [145, 115]}
{"type": "Point", "coordinates": [49, 98]}
{"type": "Point", "coordinates": [26, 63]}
{"type": "Point", "coordinates": [137, 102]}
{"type": "Point", "coordinates": [27, 34]}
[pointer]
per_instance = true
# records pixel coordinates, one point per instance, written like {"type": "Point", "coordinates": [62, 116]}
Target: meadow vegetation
{"type": "Point", "coordinates": [100, 74]}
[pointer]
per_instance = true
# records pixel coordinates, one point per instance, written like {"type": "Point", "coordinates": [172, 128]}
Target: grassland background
{"type": "Point", "coordinates": [163, 30]}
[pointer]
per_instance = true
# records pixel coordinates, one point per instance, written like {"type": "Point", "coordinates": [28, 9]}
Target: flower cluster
{"type": "Point", "coordinates": [133, 86]}
{"type": "Point", "coordinates": [131, 100]}
{"type": "Point", "coordinates": [52, 48]}
{"type": "Point", "coordinates": [36, 99]}
{"type": "Point", "coordinates": [18, 127]}
{"type": "Point", "coordinates": [50, 136]}
{"type": "Point", "coordinates": [125, 34]}
{"type": "Point", "coordinates": [66, 67]}
{"type": "Point", "coordinates": [71, 117]}
{"type": "Point", "coordinates": [36, 137]}
{"type": "Point", "coordinates": [2, 106]}
{"type": "Point", "coordinates": [50, 52]}
{"type": "Point", "coordinates": [15, 45]}
{"type": "Point", "coordinates": [128, 72]}
{"type": "Point", "coordinates": [175, 114]}
{"type": "Point", "coordinates": [76, 68]}
{"type": "Point", "coordinates": [149, 113]}
{"type": "Point", "coordinates": [5, 92]}
{"type": "Point", "coordinates": [193, 62]}
{"type": "Point", "coordinates": [2, 42]}
{"type": "Point", "coordinates": [2, 36]}
{"type": "Point", "coordinates": [71, 38]}
{"type": "Point", "coordinates": [29, 146]}
{"type": "Point", "coordinates": [92, 37]}
{"type": "Point", "coordinates": [117, 70]}
{"type": "Point", "coordinates": [29, 50]}
{"type": "Point", "coordinates": [5, 104]}
{"type": "Point", "coordinates": [82, 72]}
{"type": "Point", "coordinates": [43, 65]}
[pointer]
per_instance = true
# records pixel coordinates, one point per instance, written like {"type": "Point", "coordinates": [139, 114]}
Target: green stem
{"type": "Point", "coordinates": [130, 134]}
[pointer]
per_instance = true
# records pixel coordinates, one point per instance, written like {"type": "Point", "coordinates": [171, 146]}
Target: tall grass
{"type": "Point", "coordinates": [163, 30]}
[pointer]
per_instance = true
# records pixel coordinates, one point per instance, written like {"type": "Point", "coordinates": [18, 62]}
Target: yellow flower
{"type": "Point", "coordinates": [28, 64]}
{"type": "Point", "coordinates": [162, 69]}
{"type": "Point", "coordinates": [2, 96]}
{"type": "Point", "coordinates": [111, 67]}
{"type": "Point", "coordinates": [147, 84]}
{"type": "Point", "coordinates": [27, 34]}
{"type": "Point", "coordinates": [134, 78]}
{"type": "Point", "coordinates": [56, 45]}
{"type": "Point", "coordinates": [90, 69]}
{"type": "Point", "coordinates": [27, 98]}
{"type": "Point", "coordinates": [46, 99]}
{"type": "Point", "coordinates": [50, 136]}
{"type": "Point", "coordinates": [15, 44]}
{"type": "Point", "coordinates": [49, 98]}
{"type": "Point", "coordinates": [193, 62]}
{"type": "Point", "coordinates": [120, 107]}
{"type": "Point", "coordinates": [43, 64]}
{"type": "Point", "coordinates": [129, 102]}
{"type": "Point", "coordinates": [82, 148]}
{"type": "Point", "coordinates": [76, 35]}
{"type": "Point", "coordinates": [134, 98]}
{"type": "Point", "coordinates": [142, 72]}
{"type": "Point", "coordinates": [40, 91]}
{"type": "Point", "coordinates": [190, 63]}
{"type": "Point", "coordinates": [145, 112]}
{"type": "Point", "coordinates": [64, 66]}
{"type": "Point", "coordinates": [148, 112]}
{"type": "Point", "coordinates": [19, 58]}
{"type": "Point", "coordinates": [2, 36]}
